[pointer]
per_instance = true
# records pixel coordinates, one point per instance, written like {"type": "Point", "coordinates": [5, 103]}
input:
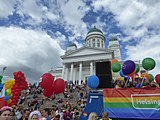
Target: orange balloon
{"type": "Point", "coordinates": [145, 75]}
{"type": "Point", "coordinates": [135, 76]}
{"type": "Point", "coordinates": [114, 61]}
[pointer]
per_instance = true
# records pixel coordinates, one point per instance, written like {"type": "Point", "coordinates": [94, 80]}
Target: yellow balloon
{"type": "Point", "coordinates": [9, 101]}
{"type": "Point", "coordinates": [8, 91]}
{"type": "Point", "coordinates": [9, 83]}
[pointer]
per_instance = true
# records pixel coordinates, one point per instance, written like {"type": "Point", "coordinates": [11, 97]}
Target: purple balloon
{"type": "Point", "coordinates": [128, 67]}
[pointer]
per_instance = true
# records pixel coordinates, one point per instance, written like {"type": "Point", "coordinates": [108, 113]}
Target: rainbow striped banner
{"type": "Point", "coordinates": [141, 103]}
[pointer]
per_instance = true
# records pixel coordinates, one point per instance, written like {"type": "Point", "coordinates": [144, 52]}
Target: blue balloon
{"type": "Point", "coordinates": [6, 98]}
{"type": "Point", "coordinates": [93, 81]}
{"type": "Point", "coordinates": [1, 86]}
{"type": "Point", "coordinates": [121, 73]}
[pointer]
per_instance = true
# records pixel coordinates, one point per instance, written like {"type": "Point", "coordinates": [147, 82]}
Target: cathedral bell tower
{"type": "Point", "coordinates": [115, 46]}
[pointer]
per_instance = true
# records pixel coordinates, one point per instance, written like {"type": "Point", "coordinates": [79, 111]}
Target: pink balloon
{"type": "Point", "coordinates": [59, 86]}
{"type": "Point", "coordinates": [47, 81]}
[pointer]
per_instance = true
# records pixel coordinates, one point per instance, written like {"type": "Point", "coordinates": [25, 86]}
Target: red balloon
{"type": "Point", "coordinates": [48, 93]}
{"type": "Point", "coordinates": [59, 86]}
{"type": "Point", "coordinates": [47, 80]}
{"type": "Point", "coordinates": [157, 78]}
{"type": "Point", "coordinates": [2, 102]}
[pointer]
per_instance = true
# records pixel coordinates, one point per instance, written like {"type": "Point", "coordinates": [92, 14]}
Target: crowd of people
{"type": "Point", "coordinates": [33, 105]}
{"type": "Point", "coordinates": [137, 82]}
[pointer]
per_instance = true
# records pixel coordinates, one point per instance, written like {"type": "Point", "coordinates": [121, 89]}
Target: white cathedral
{"type": "Point", "coordinates": [79, 63]}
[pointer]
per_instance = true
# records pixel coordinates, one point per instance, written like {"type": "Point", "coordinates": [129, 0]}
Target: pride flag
{"type": "Point", "coordinates": [141, 103]}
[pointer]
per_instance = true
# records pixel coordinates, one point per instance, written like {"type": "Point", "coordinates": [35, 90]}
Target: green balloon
{"type": "Point", "coordinates": [6, 92]}
{"type": "Point", "coordinates": [116, 67]}
{"type": "Point", "coordinates": [148, 63]}
{"type": "Point", "coordinates": [137, 68]}
{"type": "Point", "coordinates": [11, 96]}
{"type": "Point", "coordinates": [1, 79]}
{"type": "Point", "coordinates": [151, 77]}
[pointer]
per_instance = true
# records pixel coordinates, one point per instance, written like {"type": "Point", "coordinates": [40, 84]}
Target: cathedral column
{"type": "Point", "coordinates": [100, 44]}
{"type": "Point", "coordinates": [71, 72]}
{"type": "Point", "coordinates": [91, 43]}
{"type": "Point", "coordinates": [96, 41]}
{"type": "Point", "coordinates": [66, 74]}
{"type": "Point", "coordinates": [74, 75]}
{"type": "Point", "coordinates": [80, 73]}
{"type": "Point", "coordinates": [91, 68]}
{"type": "Point", "coordinates": [63, 71]}
{"type": "Point", "coordinates": [103, 44]}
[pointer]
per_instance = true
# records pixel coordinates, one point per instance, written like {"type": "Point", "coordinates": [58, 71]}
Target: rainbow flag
{"type": "Point", "coordinates": [141, 103]}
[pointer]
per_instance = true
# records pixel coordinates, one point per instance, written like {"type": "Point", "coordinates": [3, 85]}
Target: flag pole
{"type": "Point", "coordinates": [4, 68]}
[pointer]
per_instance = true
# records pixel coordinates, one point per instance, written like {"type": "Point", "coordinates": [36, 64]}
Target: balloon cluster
{"type": "Point", "coordinates": [20, 84]}
{"type": "Point", "coordinates": [50, 86]}
{"type": "Point", "coordinates": [8, 90]}
{"type": "Point", "coordinates": [130, 69]}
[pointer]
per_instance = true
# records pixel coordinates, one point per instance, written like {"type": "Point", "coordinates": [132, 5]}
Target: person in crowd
{"type": "Point", "coordinates": [13, 115]}
{"type": "Point", "coordinates": [58, 117]}
{"type": "Point", "coordinates": [35, 115]}
{"type": "Point", "coordinates": [93, 116]}
{"type": "Point", "coordinates": [105, 116]}
{"type": "Point", "coordinates": [53, 115]}
{"type": "Point", "coordinates": [119, 83]}
{"type": "Point", "coordinates": [42, 118]}
{"type": "Point", "coordinates": [67, 115]}
{"type": "Point", "coordinates": [46, 113]}
{"type": "Point", "coordinates": [18, 112]}
{"type": "Point", "coordinates": [5, 113]}
{"type": "Point", "coordinates": [25, 114]}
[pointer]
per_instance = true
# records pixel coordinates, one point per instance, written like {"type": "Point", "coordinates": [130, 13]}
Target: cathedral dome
{"type": "Point", "coordinates": [73, 44]}
{"type": "Point", "coordinates": [94, 29]}
{"type": "Point", "coordinates": [72, 47]}
{"type": "Point", "coordinates": [95, 38]}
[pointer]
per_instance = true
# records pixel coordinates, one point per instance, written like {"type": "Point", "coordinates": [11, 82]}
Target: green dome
{"type": "Point", "coordinates": [113, 39]}
{"type": "Point", "coordinates": [95, 30]}
{"type": "Point", "coordinates": [72, 44]}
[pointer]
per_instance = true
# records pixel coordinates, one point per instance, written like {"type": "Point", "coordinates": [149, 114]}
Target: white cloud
{"type": "Point", "coordinates": [73, 11]}
{"type": "Point", "coordinates": [36, 12]}
{"type": "Point", "coordinates": [132, 14]}
{"type": "Point", "coordinates": [147, 47]}
{"type": "Point", "coordinates": [6, 8]}
{"type": "Point", "coordinates": [31, 9]}
{"type": "Point", "coordinates": [33, 52]}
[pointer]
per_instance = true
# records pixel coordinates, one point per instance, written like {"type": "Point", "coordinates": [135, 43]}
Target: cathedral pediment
{"type": "Point", "coordinates": [87, 51]}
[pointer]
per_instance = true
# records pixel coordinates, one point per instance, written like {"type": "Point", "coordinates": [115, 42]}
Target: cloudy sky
{"type": "Point", "coordinates": [35, 33]}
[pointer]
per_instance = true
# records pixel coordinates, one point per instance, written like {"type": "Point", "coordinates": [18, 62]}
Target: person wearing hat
{"type": "Point", "coordinates": [105, 116]}
{"type": "Point", "coordinates": [34, 115]}
{"type": "Point", "coordinates": [5, 113]}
